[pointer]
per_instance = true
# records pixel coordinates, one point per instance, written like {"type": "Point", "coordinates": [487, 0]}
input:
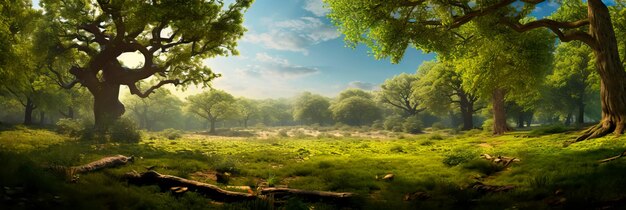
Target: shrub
{"type": "Point", "coordinates": [435, 136]}
{"type": "Point", "coordinates": [283, 133]}
{"type": "Point", "coordinates": [412, 125]}
{"type": "Point", "coordinates": [70, 127]}
{"type": "Point", "coordinates": [488, 125]}
{"type": "Point", "coordinates": [459, 156]}
{"type": "Point", "coordinates": [125, 131]}
{"type": "Point", "coordinates": [378, 125]}
{"type": "Point", "coordinates": [438, 126]}
{"type": "Point", "coordinates": [472, 132]}
{"type": "Point", "coordinates": [171, 133]}
{"type": "Point", "coordinates": [393, 122]}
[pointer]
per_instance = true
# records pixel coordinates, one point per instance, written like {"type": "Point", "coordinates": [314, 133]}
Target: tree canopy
{"type": "Point", "coordinates": [172, 37]}
{"type": "Point", "coordinates": [214, 105]}
{"type": "Point", "coordinates": [397, 92]}
{"type": "Point", "coordinates": [355, 107]}
{"type": "Point", "coordinates": [311, 108]}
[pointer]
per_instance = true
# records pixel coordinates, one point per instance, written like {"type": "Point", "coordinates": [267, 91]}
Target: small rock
{"type": "Point", "coordinates": [388, 177]}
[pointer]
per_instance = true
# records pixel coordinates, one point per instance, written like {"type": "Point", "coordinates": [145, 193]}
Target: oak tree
{"type": "Point", "coordinates": [214, 105]}
{"type": "Point", "coordinates": [172, 37]}
{"type": "Point", "coordinates": [389, 27]}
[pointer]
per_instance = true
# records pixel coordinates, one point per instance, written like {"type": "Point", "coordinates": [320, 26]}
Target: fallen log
{"type": "Point", "coordinates": [71, 172]}
{"type": "Point", "coordinates": [174, 182]}
{"type": "Point", "coordinates": [613, 158]}
{"type": "Point", "coordinates": [309, 195]}
{"type": "Point", "coordinates": [106, 162]}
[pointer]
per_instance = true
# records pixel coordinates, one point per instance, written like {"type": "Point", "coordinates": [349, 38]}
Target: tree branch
{"type": "Point", "coordinates": [555, 27]}
{"type": "Point", "coordinates": [135, 90]}
{"type": "Point", "coordinates": [59, 77]}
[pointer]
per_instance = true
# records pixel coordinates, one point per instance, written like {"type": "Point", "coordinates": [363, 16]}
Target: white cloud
{"type": "Point", "coordinates": [264, 57]}
{"type": "Point", "coordinates": [277, 67]}
{"type": "Point", "coordinates": [362, 85]}
{"type": "Point", "coordinates": [316, 7]}
{"type": "Point", "coordinates": [278, 40]}
{"type": "Point", "coordinates": [294, 35]}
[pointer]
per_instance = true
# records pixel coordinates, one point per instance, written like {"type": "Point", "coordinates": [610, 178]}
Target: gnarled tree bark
{"type": "Point", "coordinates": [611, 71]}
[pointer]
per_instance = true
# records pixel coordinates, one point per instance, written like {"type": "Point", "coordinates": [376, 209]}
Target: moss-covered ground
{"type": "Point", "coordinates": [440, 164]}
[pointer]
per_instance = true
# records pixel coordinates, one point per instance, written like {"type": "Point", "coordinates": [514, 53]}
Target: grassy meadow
{"type": "Point", "coordinates": [442, 164]}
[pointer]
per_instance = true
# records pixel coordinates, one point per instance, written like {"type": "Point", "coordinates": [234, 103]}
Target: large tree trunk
{"type": "Point", "coordinates": [42, 117]}
{"type": "Point", "coordinates": [212, 122]}
{"type": "Point", "coordinates": [499, 114]}
{"type": "Point", "coordinates": [520, 120]}
{"type": "Point", "coordinates": [107, 107]}
{"type": "Point", "coordinates": [611, 71]}
{"type": "Point", "coordinates": [581, 111]}
{"type": "Point", "coordinates": [28, 111]}
{"type": "Point", "coordinates": [467, 112]}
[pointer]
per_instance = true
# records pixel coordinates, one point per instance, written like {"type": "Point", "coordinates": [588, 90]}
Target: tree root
{"type": "Point", "coordinates": [596, 131]}
{"type": "Point", "coordinates": [613, 158]}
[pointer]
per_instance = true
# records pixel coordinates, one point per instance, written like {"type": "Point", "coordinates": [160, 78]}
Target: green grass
{"type": "Point", "coordinates": [444, 167]}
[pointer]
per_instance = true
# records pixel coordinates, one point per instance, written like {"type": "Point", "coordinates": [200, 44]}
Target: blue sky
{"type": "Point", "coordinates": [291, 47]}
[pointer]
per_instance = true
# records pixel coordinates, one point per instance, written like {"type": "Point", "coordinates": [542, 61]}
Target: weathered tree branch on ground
{"type": "Point", "coordinates": [106, 162]}
{"type": "Point", "coordinates": [613, 158]}
{"type": "Point", "coordinates": [173, 183]}
{"type": "Point", "coordinates": [70, 172]}
{"type": "Point", "coordinates": [168, 182]}
{"type": "Point", "coordinates": [280, 193]}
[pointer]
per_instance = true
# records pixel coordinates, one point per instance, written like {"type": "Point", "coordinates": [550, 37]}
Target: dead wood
{"type": "Point", "coordinates": [173, 182]}
{"type": "Point", "coordinates": [71, 172]}
{"type": "Point", "coordinates": [181, 185]}
{"type": "Point", "coordinates": [506, 161]}
{"type": "Point", "coordinates": [309, 195]}
{"type": "Point", "coordinates": [613, 158]}
{"type": "Point", "coordinates": [106, 162]}
{"type": "Point", "coordinates": [485, 188]}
